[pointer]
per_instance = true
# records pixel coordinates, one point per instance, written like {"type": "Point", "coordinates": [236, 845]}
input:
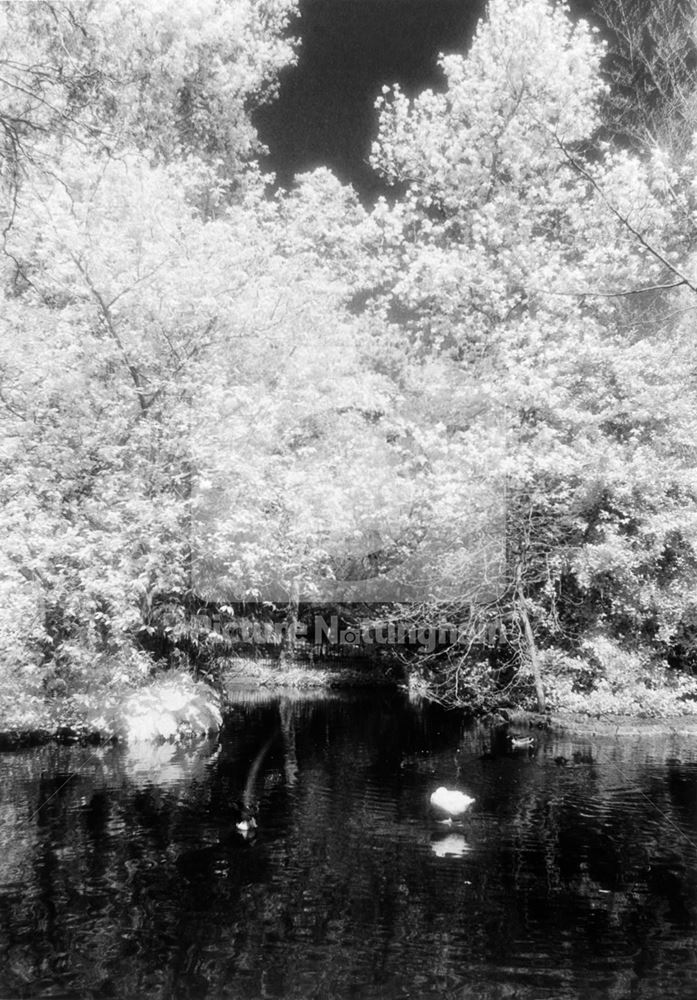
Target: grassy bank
{"type": "Point", "coordinates": [304, 675]}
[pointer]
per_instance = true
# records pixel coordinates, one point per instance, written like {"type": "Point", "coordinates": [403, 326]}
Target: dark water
{"type": "Point", "coordinates": [120, 876]}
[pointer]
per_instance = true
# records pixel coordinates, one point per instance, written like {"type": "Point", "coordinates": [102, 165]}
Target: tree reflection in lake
{"type": "Point", "coordinates": [122, 873]}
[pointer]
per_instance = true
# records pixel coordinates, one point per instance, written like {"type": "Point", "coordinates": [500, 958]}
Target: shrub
{"type": "Point", "coordinates": [610, 678]}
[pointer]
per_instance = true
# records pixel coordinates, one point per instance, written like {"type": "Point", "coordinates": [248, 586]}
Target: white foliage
{"type": "Point", "coordinates": [168, 709]}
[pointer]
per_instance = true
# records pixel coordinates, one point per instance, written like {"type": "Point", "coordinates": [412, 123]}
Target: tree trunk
{"type": "Point", "coordinates": [532, 646]}
{"type": "Point", "coordinates": [288, 649]}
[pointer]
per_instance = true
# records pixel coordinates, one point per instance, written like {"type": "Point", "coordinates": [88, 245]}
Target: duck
{"type": "Point", "coordinates": [245, 819]}
{"type": "Point", "coordinates": [450, 803]}
{"type": "Point", "coordinates": [246, 809]}
{"type": "Point", "coordinates": [245, 826]}
{"type": "Point", "coordinates": [521, 742]}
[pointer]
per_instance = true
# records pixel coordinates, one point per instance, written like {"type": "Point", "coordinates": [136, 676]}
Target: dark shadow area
{"type": "Point", "coordinates": [125, 875]}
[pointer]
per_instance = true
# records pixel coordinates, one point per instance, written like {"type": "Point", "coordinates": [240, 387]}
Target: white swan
{"type": "Point", "coordinates": [451, 802]}
{"type": "Point", "coordinates": [521, 742]}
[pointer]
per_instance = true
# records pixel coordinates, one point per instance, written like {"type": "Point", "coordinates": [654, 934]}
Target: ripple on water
{"type": "Point", "coordinates": [565, 882]}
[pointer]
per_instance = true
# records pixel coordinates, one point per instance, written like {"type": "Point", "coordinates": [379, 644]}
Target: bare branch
{"type": "Point", "coordinates": [589, 293]}
{"type": "Point", "coordinates": [623, 219]}
{"type": "Point", "coordinates": [113, 333]}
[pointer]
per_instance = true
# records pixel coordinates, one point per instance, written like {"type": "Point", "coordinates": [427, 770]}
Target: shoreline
{"type": "Point", "coordinates": [268, 678]}
{"type": "Point", "coordinates": [12, 740]}
{"type": "Point", "coordinates": [302, 676]}
{"type": "Point", "coordinates": [624, 725]}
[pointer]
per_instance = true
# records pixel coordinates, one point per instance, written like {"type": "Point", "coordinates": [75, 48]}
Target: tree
{"type": "Point", "coordinates": [170, 79]}
{"type": "Point", "coordinates": [123, 263]}
{"type": "Point", "coordinates": [515, 258]}
{"type": "Point", "coordinates": [651, 67]}
{"type": "Point", "coordinates": [300, 480]}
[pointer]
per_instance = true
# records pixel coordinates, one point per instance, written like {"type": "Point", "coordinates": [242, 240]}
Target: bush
{"type": "Point", "coordinates": [171, 707]}
{"type": "Point", "coordinates": [610, 678]}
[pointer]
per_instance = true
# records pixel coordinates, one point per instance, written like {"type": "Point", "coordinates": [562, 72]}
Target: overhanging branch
{"type": "Point", "coordinates": [658, 255]}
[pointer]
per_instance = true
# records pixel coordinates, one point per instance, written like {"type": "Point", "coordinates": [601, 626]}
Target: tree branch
{"type": "Point", "coordinates": [657, 254]}
{"type": "Point", "coordinates": [585, 293]}
{"type": "Point", "coordinates": [113, 333]}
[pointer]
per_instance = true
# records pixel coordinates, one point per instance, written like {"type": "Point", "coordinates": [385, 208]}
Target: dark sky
{"type": "Point", "coordinates": [325, 113]}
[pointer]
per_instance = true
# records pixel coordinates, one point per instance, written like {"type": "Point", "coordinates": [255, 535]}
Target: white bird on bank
{"type": "Point", "coordinates": [450, 803]}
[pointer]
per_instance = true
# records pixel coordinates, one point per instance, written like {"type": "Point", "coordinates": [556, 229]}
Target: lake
{"type": "Point", "coordinates": [574, 875]}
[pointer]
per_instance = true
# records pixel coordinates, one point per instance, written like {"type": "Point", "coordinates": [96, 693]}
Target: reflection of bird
{"type": "Point", "coordinates": [453, 845]}
{"type": "Point", "coordinates": [450, 803]}
{"type": "Point", "coordinates": [220, 860]}
{"type": "Point", "coordinates": [521, 742]}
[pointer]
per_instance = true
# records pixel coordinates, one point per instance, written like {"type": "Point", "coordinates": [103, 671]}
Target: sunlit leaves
{"type": "Point", "coordinates": [170, 79]}
{"type": "Point", "coordinates": [513, 257]}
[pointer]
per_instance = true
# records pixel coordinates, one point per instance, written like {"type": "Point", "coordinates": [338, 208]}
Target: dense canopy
{"type": "Point", "coordinates": [469, 405]}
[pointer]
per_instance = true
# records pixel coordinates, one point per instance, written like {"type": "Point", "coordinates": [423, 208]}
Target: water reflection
{"type": "Point", "coordinates": [449, 845]}
{"type": "Point", "coordinates": [123, 873]}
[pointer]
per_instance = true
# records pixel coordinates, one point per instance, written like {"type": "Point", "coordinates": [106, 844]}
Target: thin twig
{"type": "Point", "coordinates": [657, 254]}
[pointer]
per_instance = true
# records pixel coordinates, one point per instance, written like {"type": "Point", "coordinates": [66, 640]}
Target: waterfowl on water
{"type": "Point", "coordinates": [246, 809]}
{"type": "Point", "coordinates": [245, 819]}
{"type": "Point", "coordinates": [450, 803]}
{"type": "Point", "coordinates": [245, 826]}
{"type": "Point", "coordinates": [521, 742]}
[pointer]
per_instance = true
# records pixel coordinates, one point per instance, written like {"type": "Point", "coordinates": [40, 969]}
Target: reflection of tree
{"type": "Point", "coordinates": [287, 715]}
